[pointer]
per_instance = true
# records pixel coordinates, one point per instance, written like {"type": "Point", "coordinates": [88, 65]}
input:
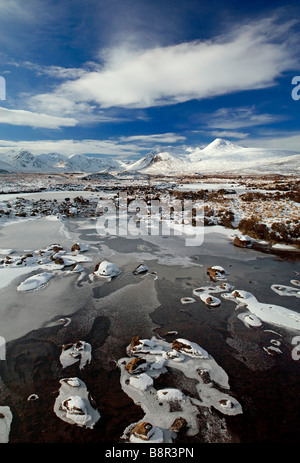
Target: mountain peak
{"type": "Point", "coordinates": [221, 143]}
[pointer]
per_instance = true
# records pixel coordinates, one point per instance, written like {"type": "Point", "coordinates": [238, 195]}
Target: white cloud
{"type": "Point", "coordinates": [155, 138]}
{"type": "Point", "coordinates": [281, 141]}
{"type": "Point", "coordinates": [32, 119]}
{"type": "Point", "coordinates": [251, 57]}
{"type": "Point", "coordinates": [227, 134]}
{"type": "Point", "coordinates": [120, 147]}
{"type": "Point", "coordinates": [15, 9]}
{"type": "Point", "coordinates": [58, 72]}
{"type": "Point", "coordinates": [60, 104]}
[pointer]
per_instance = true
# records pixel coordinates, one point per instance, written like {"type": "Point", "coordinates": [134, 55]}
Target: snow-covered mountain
{"type": "Point", "coordinates": [24, 161]}
{"type": "Point", "coordinates": [218, 157]}
{"type": "Point", "coordinates": [159, 159]}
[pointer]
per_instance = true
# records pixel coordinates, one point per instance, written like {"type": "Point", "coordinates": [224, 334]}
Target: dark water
{"type": "Point", "coordinates": [130, 305]}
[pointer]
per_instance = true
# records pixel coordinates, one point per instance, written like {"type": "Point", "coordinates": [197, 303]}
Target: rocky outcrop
{"type": "Point", "coordinates": [74, 404]}
{"type": "Point", "coordinates": [106, 269]}
{"type": "Point", "coordinates": [188, 348]}
{"type": "Point", "coordinates": [136, 365]}
{"type": "Point", "coordinates": [79, 351]}
{"type": "Point", "coordinates": [142, 268]}
{"type": "Point", "coordinates": [179, 424]}
{"type": "Point", "coordinates": [216, 273]}
{"type": "Point", "coordinates": [143, 430]}
{"type": "Point", "coordinates": [243, 241]}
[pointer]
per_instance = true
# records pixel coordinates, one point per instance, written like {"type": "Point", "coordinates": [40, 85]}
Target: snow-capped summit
{"type": "Point", "coordinates": [219, 144]}
{"type": "Point", "coordinates": [165, 157]}
{"type": "Point", "coordinates": [24, 161]}
{"type": "Point", "coordinates": [21, 160]}
{"type": "Point", "coordinates": [219, 156]}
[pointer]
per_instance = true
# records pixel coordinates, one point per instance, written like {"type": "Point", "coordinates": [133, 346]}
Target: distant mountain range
{"type": "Point", "coordinates": [24, 161]}
{"type": "Point", "coordinates": [220, 156]}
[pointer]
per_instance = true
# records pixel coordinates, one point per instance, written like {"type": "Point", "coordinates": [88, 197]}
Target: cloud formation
{"type": "Point", "coordinates": [250, 57]}
{"type": "Point", "coordinates": [237, 118]}
{"type": "Point", "coordinates": [155, 138]}
{"type": "Point", "coordinates": [35, 120]}
{"type": "Point", "coordinates": [119, 147]}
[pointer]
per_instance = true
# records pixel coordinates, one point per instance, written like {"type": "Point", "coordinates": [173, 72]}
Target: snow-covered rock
{"type": "Point", "coordinates": [189, 348]}
{"type": "Point", "coordinates": [187, 300]}
{"type": "Point", "coordinates": [209, 300]}
{"type": "Point", "coordinates": [142, 268]}
{"type": "Point", "coordinates": [145, 432]}
{"type": "Point", "coordinates": [80, 247]}
{"type": "Point", "coordinates": [107, 269]}
{"type": "Point", "coordinates": [269, 313]}
{"type": "Point", "coordinates": [170, 394]}
{"type": "Point", "coordinates": [142, 381]}
{"type": "Point", "coordinates": [5, 423]}
{"type": "Point", "coordinates": [35, 282]}
{"type": "Point", "coordinates": [242, 241]}
{"type": "Point", "coordinates": [285, 290]}
{"type": "Point", "coordinates": [73, 404]}
{"type": "Point", "coordinates": [80, 351]}
{"type": "Point", "coordinates": [217, 272]}
{"type": "Point", "coordinates": [250, 319]}
{"type": "Point", "coordinates": [136, 365]}
{"type": "Point", "coordinates": [169, 408]}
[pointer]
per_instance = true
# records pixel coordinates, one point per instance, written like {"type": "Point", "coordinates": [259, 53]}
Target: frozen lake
{"type": "Point", "coordinates": [109, 313]}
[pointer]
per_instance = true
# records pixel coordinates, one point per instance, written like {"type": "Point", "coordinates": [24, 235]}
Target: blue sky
{"type": "Point", "coordinates": [121, 77]}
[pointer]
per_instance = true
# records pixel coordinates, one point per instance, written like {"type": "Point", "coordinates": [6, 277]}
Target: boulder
{"type": "Point", "coordinates": [188, 348]}
{"type": "Point", "coordinates": [204, 375]}
{"type": "Point", "coordinates": [136, 365]}
{"type": "Point", "coordinates": [142, 346]}
{"type": "Point", "coordinates": [79, 247]}
{"type": "Point", "coordinates": [242, 241]}
{"type": "Point", "coordinates": [209, 300]}
{"type": "Point", "coordinates": [106, 269]}
{"type": "Point", "coordinates": [142, 381]}
{"type": "Point", "coordinates": [75, 405]}
{"type": "Point", "coordinates": [76, 410]}
{"type": "Point", "coordinates": [225, 403]}
{"type": "Point", "coordinates": [179, 424]}
{"type": "Point", "coordinates": [187, 300]}
{"type": "Point", "coordinates": [170, 394]}
{"type": "Point", "coordinates": [216, 273]}
{"type": "Point", "coordinates": [142, 268]}
{"type": "Point", "coordinates": [143, 430]}
{"type": "Point", "coordinates": [135, 341]}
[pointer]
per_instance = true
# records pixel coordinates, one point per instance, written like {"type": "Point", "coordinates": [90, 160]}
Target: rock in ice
{"type": "Point", "coordinates": [106, 269]}
{"type": "Point", "coordinates": [35, 282]}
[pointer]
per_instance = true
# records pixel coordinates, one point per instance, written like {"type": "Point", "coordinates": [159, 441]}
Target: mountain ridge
{"type": "Point", "coordinates": [219, 156]}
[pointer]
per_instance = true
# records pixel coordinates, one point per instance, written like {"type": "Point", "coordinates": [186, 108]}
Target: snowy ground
{"type": "Point", "coordinates": [52, 294]}
{"type": "Point", "coordinates": [266, 209]}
